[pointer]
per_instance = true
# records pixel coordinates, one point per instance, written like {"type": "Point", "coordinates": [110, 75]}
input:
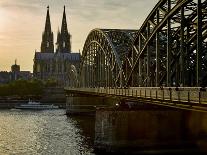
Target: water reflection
{"type": "Point", "coordinates": [45, 132]}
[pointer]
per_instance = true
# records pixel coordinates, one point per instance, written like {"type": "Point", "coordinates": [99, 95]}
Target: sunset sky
{"type": "Point", "coordinates": [22, 23]}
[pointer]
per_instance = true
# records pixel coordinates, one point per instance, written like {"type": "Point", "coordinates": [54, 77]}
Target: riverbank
{"type": "Point", "coordinates": [10, 103]}
{"type": "Point", "coordinates": [55, 96]}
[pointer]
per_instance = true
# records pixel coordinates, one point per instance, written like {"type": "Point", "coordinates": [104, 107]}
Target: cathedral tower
{"type": "Point", "coordinates": [63, 37]}
{"type": "Point", "coordinates": [47, 45]}
{"type": "Point", "coordinates": [56, 65]}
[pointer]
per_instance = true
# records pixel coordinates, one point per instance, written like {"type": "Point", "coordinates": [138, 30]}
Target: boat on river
{"type": "Point", "coordinates": [32, 105]}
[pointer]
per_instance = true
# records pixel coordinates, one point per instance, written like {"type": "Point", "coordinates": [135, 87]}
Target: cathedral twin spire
{"type": "Point", "coordinates": [63, 37]}
{"type": "Point", "coordinates": [47, 23]}
{"type": "Point", "coordinates": [47, 45]}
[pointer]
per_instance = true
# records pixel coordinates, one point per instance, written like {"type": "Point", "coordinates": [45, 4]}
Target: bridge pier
{"type": "Point", "coordinates": [149, 128]}
{"type": "Point", "coordinates": [82, 104]}
{"type": "Point", "coordinates": [78, 103]}
{"type": "Point", "coordinates": [124, 130]}
{"type": "Point", "coordinates": [132, 123]}
{"type": "Point", "coordinates": [196, 128]}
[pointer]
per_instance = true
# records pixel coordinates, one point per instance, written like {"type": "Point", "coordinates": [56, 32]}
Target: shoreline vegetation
{"type": "Point", "coordinates": [25, 89]}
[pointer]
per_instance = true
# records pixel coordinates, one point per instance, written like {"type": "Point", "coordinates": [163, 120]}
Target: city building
{"type": "Point", "coordinates": [17, 74]}
{"type": "Point", "coordinates": [14, 74]}
{"type": "Point", "coordinates": [56, 65]}
{"type": "Point", "coordinates": [15, 71]}
{"type": "Point", "coordinates": [5, 77]}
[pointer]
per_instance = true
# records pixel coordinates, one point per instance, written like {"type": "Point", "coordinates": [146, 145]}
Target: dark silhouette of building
{"type": "Point", "coordinates": [55, 65]}
{"type": "Point", "coordinates": [63, 37]}
{"type": "Point", "coordinates": [15, 71]}
{"type": "Point", "coordinates": [5, 77]}
{"type": "Point", "coordinates": [14, 74]}
{"type": "Point", "coordinates": [47, 45]}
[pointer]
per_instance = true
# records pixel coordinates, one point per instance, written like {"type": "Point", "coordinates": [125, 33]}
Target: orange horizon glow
{"type": "Point", "coordinates": [22, 23]}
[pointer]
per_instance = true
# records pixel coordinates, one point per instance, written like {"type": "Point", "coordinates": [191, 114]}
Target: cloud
{"type": "Point", "coordinates": [112, 11]}
{"type": "Point", "coordinates": [25, 19]}
{"type": "Point", "coordinates": [21, 5]}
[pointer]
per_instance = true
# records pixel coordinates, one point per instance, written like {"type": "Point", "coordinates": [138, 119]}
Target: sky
{"type": "Point", "coordinates": [22, 23]}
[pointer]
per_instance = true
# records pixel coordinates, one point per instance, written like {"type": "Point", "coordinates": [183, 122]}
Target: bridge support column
{"type": "Point", "coordinates": [82, 104]}
{"type": "Point", "coordinates": [139, 130]}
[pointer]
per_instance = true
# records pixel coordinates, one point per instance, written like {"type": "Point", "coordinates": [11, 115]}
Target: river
{"type": "Point", "coordinates": [48, 132]}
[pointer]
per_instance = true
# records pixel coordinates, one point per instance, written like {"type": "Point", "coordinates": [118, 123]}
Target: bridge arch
{"type": "Point", "coordinates": [103, 55]}
{"type": "Point", "coordinates": [171, 45]}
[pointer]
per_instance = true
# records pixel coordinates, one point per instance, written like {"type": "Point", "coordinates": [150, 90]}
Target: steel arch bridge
{"type": "Point", "coordinates": [103, 55]}
{"type": "Point", "coordinates": [170, 48]}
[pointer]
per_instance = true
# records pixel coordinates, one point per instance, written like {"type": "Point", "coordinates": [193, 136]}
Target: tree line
{"type": "Point", "coordinates": [25, 88]}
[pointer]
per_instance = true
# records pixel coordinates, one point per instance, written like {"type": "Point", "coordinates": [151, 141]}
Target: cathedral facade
{"type": "Point", "coordinates": [58, 64]}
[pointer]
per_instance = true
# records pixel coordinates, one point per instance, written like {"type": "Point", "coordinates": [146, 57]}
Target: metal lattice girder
{"type": "Point", "coordinates": [103, 55]}
{"type": "Point", "coordinates": [169, 49]}
{"type": "Point", "coordinates": [170, 46]}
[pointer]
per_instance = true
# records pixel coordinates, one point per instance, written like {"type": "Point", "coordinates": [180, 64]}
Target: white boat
{"type": "Point", "coordinates": [32, 105]}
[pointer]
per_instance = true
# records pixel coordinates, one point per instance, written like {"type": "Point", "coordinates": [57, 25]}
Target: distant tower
{"type": "Point", "coordinates": [15, 71]}
{"type": "Point", "coordinates": [15, 67]}
{"type": "Point", "coordinates": [63, 37]}
{"type": "Point", "coordinates": [47, 45]}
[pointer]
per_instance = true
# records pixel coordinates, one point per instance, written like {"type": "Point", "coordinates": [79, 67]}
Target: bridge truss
{"type": "Point", "coordinates": [103, 55]}
{"type": "Point", "coordinates": [170, 49]}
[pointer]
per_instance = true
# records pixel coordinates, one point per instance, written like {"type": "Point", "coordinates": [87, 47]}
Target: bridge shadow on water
{"type": "Point", "coordinates": [146, 152]}
{"type": "Point", "coordinates": [86, 126]}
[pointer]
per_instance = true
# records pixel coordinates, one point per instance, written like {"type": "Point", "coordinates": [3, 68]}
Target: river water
{"type": "Point", "coordinates": [48, 132]}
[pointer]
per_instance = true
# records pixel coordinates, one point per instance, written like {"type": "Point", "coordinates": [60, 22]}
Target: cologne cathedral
{"type": "Point", "coordinates": [60, 65]}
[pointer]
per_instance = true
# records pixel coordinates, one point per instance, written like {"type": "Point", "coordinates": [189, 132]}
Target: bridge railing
{"type": "Point", "coordinates": [195, 95]}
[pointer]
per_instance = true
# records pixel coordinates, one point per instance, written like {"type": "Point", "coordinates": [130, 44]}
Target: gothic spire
{"type": "Point", "coordinates": [47, 44]}
{"type": "Point", "coordinates": [47, 23]}
{"type": "Point", "coordinates": [64, 28]}
{"type": "Point", "coordinates": [63, 39]}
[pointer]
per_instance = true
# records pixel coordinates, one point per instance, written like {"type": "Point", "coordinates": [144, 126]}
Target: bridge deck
{"type": "Point", "coordinates": [182, 97]}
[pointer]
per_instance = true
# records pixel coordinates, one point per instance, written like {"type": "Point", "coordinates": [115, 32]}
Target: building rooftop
{"type": "Point", "coordinates": [47, 56]}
